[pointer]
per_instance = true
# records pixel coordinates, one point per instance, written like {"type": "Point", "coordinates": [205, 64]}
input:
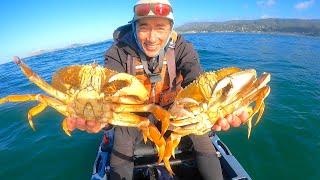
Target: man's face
{"type": "Point", "coordinates": [153, 34]}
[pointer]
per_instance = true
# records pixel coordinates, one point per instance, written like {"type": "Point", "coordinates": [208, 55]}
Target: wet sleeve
{"type": "Point", "coordinates": [188, 63]}
{"type": "Point", "coordinates": [114, 59]}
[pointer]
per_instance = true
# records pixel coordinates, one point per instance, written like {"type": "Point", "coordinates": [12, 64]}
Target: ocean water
{"type": "Point", "coordinates": [284, 145]}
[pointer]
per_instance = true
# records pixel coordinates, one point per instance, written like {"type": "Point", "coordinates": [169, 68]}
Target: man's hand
{"type": "Point", "coordinates": [230, 120]}
{"type": "Point", "coordinates": [223, 124]}
{"type": "Point", "coordinates": [81, 124]}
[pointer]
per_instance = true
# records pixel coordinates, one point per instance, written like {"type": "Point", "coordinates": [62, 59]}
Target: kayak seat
{"type": "Point", "coordinates": [146, 155]}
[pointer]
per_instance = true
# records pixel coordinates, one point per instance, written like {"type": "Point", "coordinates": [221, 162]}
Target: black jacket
{"type": "Point", "coordinates": [187, 59]}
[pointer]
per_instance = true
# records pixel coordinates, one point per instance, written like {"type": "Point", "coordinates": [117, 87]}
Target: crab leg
{"type": "Point", "coordinates": [257, 95]}
{"type": "Point", "coordinates": [260, 112]}
{"type": "Point", "coordinates": [171, 144]}
{"type": "Point", "coordinates": [34, 111]}
{"type": "Point", "coordinates": [19, 98]}
{"type": "Point", "coordinates": [22, 98]}
{"type": "Point", "coordinates": [256, 91]}
{"type": "Point", "coordinates": [254, 86]}
{"type": "Point", "coordinates": [183, 122]}
{"type": "Point", "coordinates": [149, 131]}
{"type": "Point", "coordinates": [44, 101]}
{"type": "Point", "coordinates": [159, 113]}
{"type": "Point", "coordinates": [248, 91]}
{"type": "Point", "coordinates": [174, 139]}
{"type": "Point", "coordinates": [260, 103]}
{"type": "Point", "coordinates": [259, 98]}
{"type": "Point", "coordinates": [33, 77]}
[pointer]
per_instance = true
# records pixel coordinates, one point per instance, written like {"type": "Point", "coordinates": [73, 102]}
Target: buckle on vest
{"type": "Point", "coordinates": [172, 44]}
{"type": "Point", "coordinates": [154, 78]}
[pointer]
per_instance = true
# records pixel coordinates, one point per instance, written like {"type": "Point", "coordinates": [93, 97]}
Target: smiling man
{"type": "Point", "coordinates": [152, 34]}
{"type": "Point", "coordinates": [148, 48]}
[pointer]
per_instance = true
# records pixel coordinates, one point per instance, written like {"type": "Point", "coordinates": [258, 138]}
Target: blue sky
{"type": "Point", "coordinates": [31, 25]}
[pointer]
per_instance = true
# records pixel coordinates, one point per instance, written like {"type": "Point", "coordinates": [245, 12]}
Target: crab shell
{"type": "Point", "coordinates": [94, 93]}
{"type": "Point", "coordinates": [214, 95]}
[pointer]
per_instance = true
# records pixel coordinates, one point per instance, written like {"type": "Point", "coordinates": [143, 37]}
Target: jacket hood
{"type": "Point", "coordinates": [125, 38]}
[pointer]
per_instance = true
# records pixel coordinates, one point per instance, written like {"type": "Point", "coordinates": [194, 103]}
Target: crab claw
{"type": "Point", "coordinates": [161, 115]}
{"type": "Point", "coordinates": [16, 60]}
{"type": "Point", "coordinates": [136, 88]}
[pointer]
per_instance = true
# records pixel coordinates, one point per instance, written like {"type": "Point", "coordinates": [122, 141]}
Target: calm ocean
{"type": "Point", "coordinates": [285, 145]}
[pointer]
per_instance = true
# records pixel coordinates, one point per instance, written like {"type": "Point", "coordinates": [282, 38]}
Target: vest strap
{"type": "Point", "coordinates": [154, 77]}
{"type": "Point", "coordinates": [130, 65]}
{"type": "Point", "coordinates": [162, 79]}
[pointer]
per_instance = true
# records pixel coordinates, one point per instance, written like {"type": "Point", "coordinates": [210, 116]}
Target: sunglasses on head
{"type": "Point", "coordinates": [158, 9]}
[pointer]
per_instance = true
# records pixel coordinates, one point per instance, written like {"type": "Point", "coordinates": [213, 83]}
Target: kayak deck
{"type": "Point", "coordinates": [184, 166]}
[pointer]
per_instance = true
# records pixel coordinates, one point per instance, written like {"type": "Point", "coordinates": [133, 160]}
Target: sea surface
{"type": "Point", "coordinates": [285, 145]}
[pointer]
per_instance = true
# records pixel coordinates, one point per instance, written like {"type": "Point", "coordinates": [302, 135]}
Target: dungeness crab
{"type": "Point", "coordinates": [94, 93]}
{"type": "Point", "coordinates": [211, 96]}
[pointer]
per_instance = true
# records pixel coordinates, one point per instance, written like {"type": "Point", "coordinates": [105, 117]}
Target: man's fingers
{"type": "Point", "coordinates": [93, 126]}
{"type": "Point", "coordinates": [92, 123]}
{"type": "Point", "coordinates": [236, 122]}
{"type": "Point", "coordinates": [226, 127]}
{"type": "Point", "coordinates": [71, 123]}
{"type": "Point", "coordinates": [81, 124]}
{"type": "Point", "coordinates": [243, 116]}
{"type": "Point", "coordinates": [222, 122]}
{"type": "Point", "coordinates": [229, 118]}
{"type": "Point", "coordinates": [94, 129]}
{"type": "Point", "coordinates": [216, 128]}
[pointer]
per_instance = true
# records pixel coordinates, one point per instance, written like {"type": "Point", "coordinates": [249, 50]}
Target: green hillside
{"type": "Point", "coordinates": [292, 26]}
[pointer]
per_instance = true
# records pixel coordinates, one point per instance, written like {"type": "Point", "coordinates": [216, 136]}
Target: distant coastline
{"type": "Point", "coordinates": [75, 45]}
{"type": "Point", "coordinates": [42, 51]}
{"type": "Point", "coordinates": [306, 27]}
{"type": "Point", "coordinates": [272, 25]}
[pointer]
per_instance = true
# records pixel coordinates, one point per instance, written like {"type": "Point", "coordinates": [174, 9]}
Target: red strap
{"type": "Point", "coordinates": [105, 139]}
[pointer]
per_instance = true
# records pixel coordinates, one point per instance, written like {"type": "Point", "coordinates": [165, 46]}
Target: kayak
{"type": "Point", "coordinates": [184, 166]}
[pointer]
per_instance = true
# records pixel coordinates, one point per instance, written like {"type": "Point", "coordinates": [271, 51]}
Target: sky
{"type": "Point", "coordinates": [27, 26]}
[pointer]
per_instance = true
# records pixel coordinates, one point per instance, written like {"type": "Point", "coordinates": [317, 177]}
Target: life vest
{"type": "Point", "coordinates": [164, 91]}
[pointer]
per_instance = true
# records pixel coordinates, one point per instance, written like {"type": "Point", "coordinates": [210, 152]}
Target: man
{"type": "Point", "coordinates": [149, 49]}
